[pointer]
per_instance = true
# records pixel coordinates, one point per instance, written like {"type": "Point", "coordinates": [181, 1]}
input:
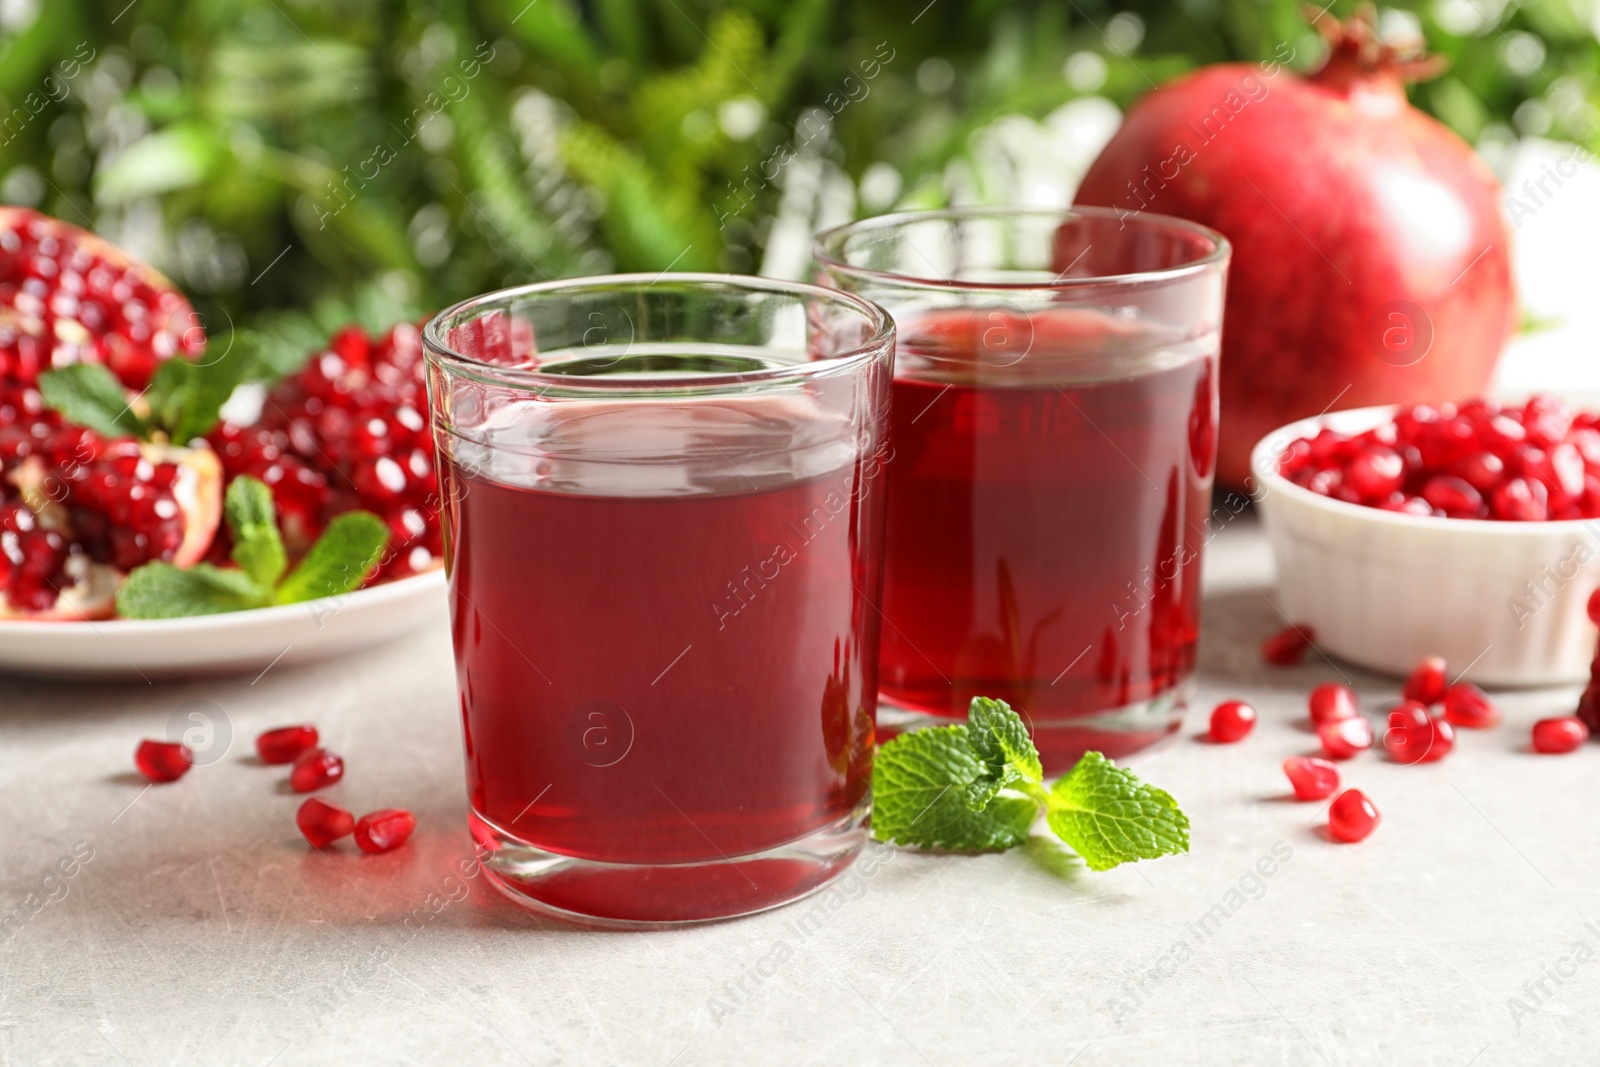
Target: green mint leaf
{"type": "Point", "coordinates": [162, 591]}
{"type": "Point", "coordinates": [1000, 739]}
{"type": "Point", "coordinates": [1108, 816]}
{"type": "Point", "coordinates": [257, 547]}
{"type": "Point", "coordinates": [340, 561]}
{"type": "Point", "coordinates": [920, 784]}
{"type": "Point", "coordinates": [90, 395]}
{"type": "Point", "coordinates": [185, 397]}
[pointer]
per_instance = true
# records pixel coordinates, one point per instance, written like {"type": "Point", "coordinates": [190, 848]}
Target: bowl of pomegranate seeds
{"type": "Point", "coordinates": [1470, 531]}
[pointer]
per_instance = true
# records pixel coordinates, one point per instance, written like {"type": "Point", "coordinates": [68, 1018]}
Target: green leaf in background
{"type": "Point", "coordinates": [257, 546]}
{"type": "Point", "coordinates": [177, 157]}
{"type": "Point", "coordinates": [90, 395]}
{"type": "Point", "coordinates": [162, 591]}
{"type": "Point", "coordinates": [1108, 816]}
{"type": "Point", "coordinates": [271, 155]}
{"type": "Point", "coordinates": [341, 559]}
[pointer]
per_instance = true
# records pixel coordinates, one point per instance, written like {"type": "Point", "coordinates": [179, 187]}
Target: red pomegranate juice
{"type": "Point", "coordinates": [1048, 498]}
{"type": "Point", "coordinates": [654, 670]}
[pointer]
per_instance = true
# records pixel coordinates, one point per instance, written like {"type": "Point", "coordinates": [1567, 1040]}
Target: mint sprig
{"type": "Point", "coordinates": [182, 402]}
{"type": "Point", "coordinates": [980, 787]}
{"type": "Point", "coordinates": [340, 560]}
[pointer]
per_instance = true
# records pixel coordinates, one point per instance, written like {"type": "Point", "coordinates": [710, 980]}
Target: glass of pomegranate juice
{"type": "Point", "coordinates": [663, 531]}
{"type": "Point", "coordinates": [1049, 467]}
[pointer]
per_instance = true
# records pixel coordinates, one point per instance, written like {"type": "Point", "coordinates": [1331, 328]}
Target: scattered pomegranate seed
{"type": "Point", "coordinates": [1426, 684]}
{"type": "Point", "coordinates": [1468, 706]}
{"type": "Point", "coordinates": [1559, 735]}
{"type": "Point", "coordinates": [163, 761]}
{"type": "Point", "coordinates": [1288, 646]}
{"type": "Point", "coordinates": [1351, 816]}
{"type": "Point", "coordinates": [1594, 607]}
{"type": "Point", "coordinates": [1413, 736]}
{"type": "Point", "coordinates": [1343, 738]}
{"type": "Point", "coordinates": [381, 831]}
{"type": "Point", "coordinates": [1312, 778]}
{"type": "Point", "coordinates": [323, 823]}
{"type": "Point", "coordinates": [1231, 720]}
{"type": "Point", "coordinates": [1332, 701]}
{"type": "Point", "coordinates": [286, 743]}
{"type": "Point", "coordinates": [315, 769]}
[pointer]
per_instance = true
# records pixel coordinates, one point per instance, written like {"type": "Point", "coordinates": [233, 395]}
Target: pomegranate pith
{"type": "Point", "coordinates": [322, 823]}
{"type": "Point", "coordinates": [163, 761]}
{"type": "Point", "coordinates": [1352, 817]}
{"type": "Point", "coordinates": [385, 830]}
{"type": "Point", "coordinates": [286, 743]}
{"type": "Point", "coordinates": [1231, 720]}
{"type": "Point", "coordinates": [314, 769]}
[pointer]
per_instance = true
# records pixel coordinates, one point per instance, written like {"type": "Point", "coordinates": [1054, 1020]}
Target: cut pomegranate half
{"type": "Point", "coordinates": [67, 296]}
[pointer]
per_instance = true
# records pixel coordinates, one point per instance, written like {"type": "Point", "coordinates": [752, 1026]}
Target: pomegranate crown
{"type": "Point", "coordinates": [1357, 54]}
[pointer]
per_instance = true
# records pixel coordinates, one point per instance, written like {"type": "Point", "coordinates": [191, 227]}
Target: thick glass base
{"type": "Point", "coordinates": [1117, 732]}
{"type": "Point", "coordinates": [646, 895]}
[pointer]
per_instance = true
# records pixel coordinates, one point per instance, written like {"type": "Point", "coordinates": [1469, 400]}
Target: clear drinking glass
{"type": "Point", "coordinates": [663, 529]}
{"type": "Point", "coordinates": [1051, 453]}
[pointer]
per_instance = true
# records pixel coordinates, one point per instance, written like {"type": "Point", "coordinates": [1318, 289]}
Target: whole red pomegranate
{"type": "Point", "coordinates": [1371, 262]}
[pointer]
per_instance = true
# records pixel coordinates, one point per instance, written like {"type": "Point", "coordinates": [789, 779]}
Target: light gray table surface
{"type": "Point", "coordinates": [204, 931]}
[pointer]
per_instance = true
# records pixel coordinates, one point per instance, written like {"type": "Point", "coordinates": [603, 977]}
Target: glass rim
{"type": "Point", "coordinates": [879, 341]}
{"type": "Point", "coordinates": [827, 249]}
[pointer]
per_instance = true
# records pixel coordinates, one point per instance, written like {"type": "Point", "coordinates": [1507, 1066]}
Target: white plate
{"type": "Point", "coordinates": [234, 642]}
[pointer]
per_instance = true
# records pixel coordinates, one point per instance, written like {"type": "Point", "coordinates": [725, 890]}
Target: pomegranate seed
{"type": "Point", "coordinates": [1312, 778]}
{"type": "Point", "coordinates": [1343, 738]}
{"type": "Point", "coordinates": [1288, 646]}
{"type": "Point", "coordinates": [1467, 705]}
{"type": "Point", "coordinates": [163, 761]}
{"type": "Point", "coordinates": [323, 823]}
{"type": "Point", "coordinates": [1454, 496]}
{"type": "Point", "coordinates": [1414, 737]}
{"type": "Point", "coordinates": [1231, 720]}
{"type": "Point", "coordinates": [1559, 735]}
{"type": "Point", "coordinates": [1521, 500]}
{"type": "Point", "coordinates": [286, 743]}
{"type": "Point", "coordinates": [1376, 472]}
{"type": "Point", "coordinates": [1351, 816]}
{"type": "Point", "coordinates": [1332, 701]}
{"type": "Point", "coordinates": [381, 831]}
{"type": "Point", "coordinates": [1594, 607]}
{"type": "Point", "coordinates": [1427, 681]}
{"type": "Point", "coordinates": [315, 769]}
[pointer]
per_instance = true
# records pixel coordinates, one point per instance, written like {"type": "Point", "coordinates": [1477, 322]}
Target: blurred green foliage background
{"type": "Point", "coordinates": [394, 155]}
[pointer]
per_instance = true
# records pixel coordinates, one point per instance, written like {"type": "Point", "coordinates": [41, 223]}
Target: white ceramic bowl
{"type": "Point", "coordinates": [1383, 589]}
{"type": "Point", "coordinates": [240, 641]}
